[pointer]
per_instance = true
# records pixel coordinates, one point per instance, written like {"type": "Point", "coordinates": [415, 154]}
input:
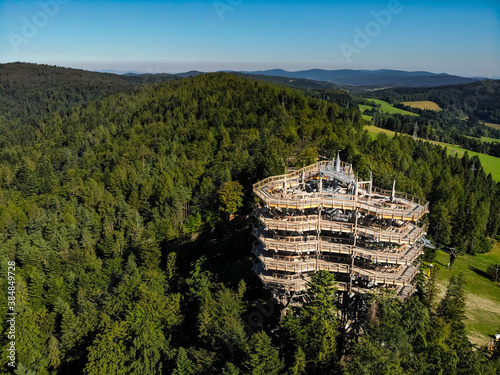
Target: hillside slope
{"type": "Point", "coordinates": [29, 91]}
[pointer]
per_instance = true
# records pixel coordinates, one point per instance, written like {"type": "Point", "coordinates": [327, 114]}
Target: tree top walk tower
{"type": "Point", "coordinates": [321, 217]}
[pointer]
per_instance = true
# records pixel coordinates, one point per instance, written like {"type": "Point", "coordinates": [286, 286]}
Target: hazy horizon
{"type": "Point", "coordinates": [270, 69]}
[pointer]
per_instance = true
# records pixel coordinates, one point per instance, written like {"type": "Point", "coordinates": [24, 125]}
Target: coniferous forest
{"type": "Point", "coordinates": [115, 200]}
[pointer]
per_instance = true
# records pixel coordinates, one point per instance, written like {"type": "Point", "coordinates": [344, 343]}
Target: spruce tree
{"type": "Point", "coordinates": [263, 358]}
{"type": "Point", "coordinates": [183, 364]}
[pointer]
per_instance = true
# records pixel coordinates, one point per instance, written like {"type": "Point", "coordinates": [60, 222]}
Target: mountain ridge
{"type": "Point", "coordinates": [377, 78]}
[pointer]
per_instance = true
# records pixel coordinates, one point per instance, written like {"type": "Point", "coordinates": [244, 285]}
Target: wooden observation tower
{"type": "Point", "coordinates": [322, 218]}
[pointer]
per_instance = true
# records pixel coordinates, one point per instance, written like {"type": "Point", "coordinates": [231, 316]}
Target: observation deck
{"type": "Point", "coordinates": [322, 217]}
{"type": "Point", "coordinates": [300, 190]}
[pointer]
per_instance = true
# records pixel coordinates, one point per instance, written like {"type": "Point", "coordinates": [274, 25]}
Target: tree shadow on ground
{"type": "Point", "coordinates": [480, 272]}
{"type": "Point", "coordinates": [444, 265]}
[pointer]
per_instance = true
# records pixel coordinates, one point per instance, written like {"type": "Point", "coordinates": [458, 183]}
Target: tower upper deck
{"type": "Point", "coordinates": [332, 184]}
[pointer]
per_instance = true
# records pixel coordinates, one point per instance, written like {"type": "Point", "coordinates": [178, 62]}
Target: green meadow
{"type": "Point", "coordinates": [486, 139]}
{"type": "Point", "coordinates": [491, 164]}
{"type": "Point", "coordinates": [384, 107]}
{"type": "Point", "coordinates": [482, 293]}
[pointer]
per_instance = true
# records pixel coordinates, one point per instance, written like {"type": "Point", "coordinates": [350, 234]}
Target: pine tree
{"type": "Point", "coordinates": [148, 345]}
{"type": "Point", "coordinates": [313, 328]}
{"type": "Point", "coordinates": [107, 355]}
{"type": "Point", "coordinates": [183, 364]}
{"type": "Point", "coordinates": [430, 290]}
{"type": "Point", "coordinates": [230, 369]}
{"type": "Point", "coordinates": [299, 365]}
{"type": "Point", "coordinates": [452, 306]}
{"type": "Point", "coordinates": [416, 322]}
{"type": "Point", "coordinates": [370, 358]}
{"type": "Point", "coordinates": [54, 354]}
{"type": "Point", "coordinates": [319, 318]}
{"type": "Point", "coordinates": [263, 358]}
{"type": "Point", "coordinates": [219, 320]}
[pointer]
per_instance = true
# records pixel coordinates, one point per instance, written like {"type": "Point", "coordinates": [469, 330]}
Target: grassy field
{"type": "Point", "coordinates": [482, 293]}
{"type": "Point", "coordinates": [424, 104]}
{"type": "Point", "coordinates": [363, 107]}
{"type": "Point", "coordinates": [486, 139]}
{"type": "Point", "coordinates": [494, 126]}
{"type": "Point", "coordinates": [490, 163]}
{"type": "Point", "coordinates": [373, 130]}
{"type": "Point", "coordinates": [385, 107]}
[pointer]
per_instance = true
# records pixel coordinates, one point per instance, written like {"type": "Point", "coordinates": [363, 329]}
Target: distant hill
{"type": "Point", "coordinates": [111, 71]}
{"type": "Point", "coordinates": [373, 78]}
{"type": "Point", "coordinates": [32, 90]}
{"type": "Point", "coordinates": [191, 73]}
{"type": "Point", "coordinates": [293, 82]}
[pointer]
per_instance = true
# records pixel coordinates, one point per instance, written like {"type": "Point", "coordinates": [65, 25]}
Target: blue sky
{"type": "Point", "coordinates": [456, 37]}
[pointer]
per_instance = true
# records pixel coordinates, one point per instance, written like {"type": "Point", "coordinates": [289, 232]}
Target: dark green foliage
{"type": "Point", "coordinates": [459, 214]}
{"type": "Point", "coordinates": [452, 306]}
{"type": "Point", "coordinates": [372, 358]}
{"type": "Point", "coordinates": [108, 352]}
{"type": "Point", "coordinates": [386, 343]}
{"type": "Point", "coordinates": [494, 272]}
{"type": "Point", "coordinates": [219, 323]}
{"type": "Point", "coordinates": [110, 209]}
{"type": "Point", "coordinates": [313, 329]}
{"type": "Point", "coordinates": [416, 322]}
{"type": "Point", "coordinates": [29, 91]}
{"type": "Point", "coordinates": [299, 364]}
{"type": "Point", "coordinates": [263, 358]}
{"type": "Point", "coordinates": [429, 290]}
{"type": "Point", "coordinates": [183, 364]}
{"type": "Point", "coordinates": [230, 369]}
